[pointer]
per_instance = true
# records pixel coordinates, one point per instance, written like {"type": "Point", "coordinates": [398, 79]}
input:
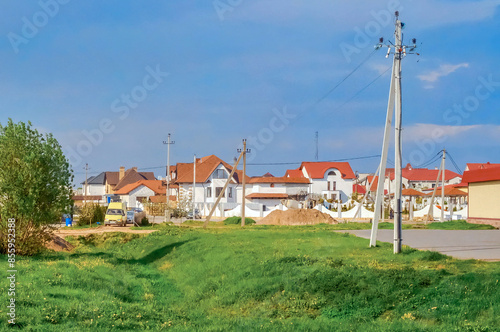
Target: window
{"type": "Point", "coordinates": [220, 174]}
{"type": "Point", "coordinates": [331, 173]}
{"type": "Point", "coordinates": [209, 191]}
{"type": "Point", "coordinates": [271, 185]}
{"type": "Point", "coordinates": [328, 185]}
{"type": "Point", "coordinates": [230, 192]}
{"type": "Point", "coordinates": [218, 190]}
{"type": "Point", "coordinates": [334, 185]}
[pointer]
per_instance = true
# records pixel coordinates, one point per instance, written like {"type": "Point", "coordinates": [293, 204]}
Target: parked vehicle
{"type": "Point", "coordinates": [197, 214]}
{"type": "Point", "coordinates": [130, 216]}
{"type": "Point", "coordinates": [116, 214]}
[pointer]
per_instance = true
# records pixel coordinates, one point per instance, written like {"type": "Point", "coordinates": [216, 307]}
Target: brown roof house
{"type": "Point", "coordinates": [137, 193]}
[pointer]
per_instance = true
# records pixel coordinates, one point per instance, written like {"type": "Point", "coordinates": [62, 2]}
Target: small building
{"type": "Point", "coordinates": [271, 191]}
{"type": "Point", "coordinates": [140, 192]}
{"type": "Point", "coordinates": [484, 195]}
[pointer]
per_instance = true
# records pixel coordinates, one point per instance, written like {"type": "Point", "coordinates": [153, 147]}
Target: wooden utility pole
{"type": "Point", "coordinates": [395, 102]}
{"type": "Point", "coordinates": [222, 192]}
{"type": "Point", "coordinates": [244, 151]}
{"type": "Point", "coordinates": [168, 142]}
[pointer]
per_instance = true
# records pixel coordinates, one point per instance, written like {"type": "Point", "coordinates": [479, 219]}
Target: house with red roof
{"type": "Point", "coordinates": [211, 176]}
{"type": "Point", "coordinates": [330, 180]}
{"type": "Point", "coordinates": [484, 195]}
{"type": "Point", "coordinates": [420, 178]}
{"type": "Point", "coordinates": [271, 191]}
{"type": "Point", "coordinates": [137, 193]}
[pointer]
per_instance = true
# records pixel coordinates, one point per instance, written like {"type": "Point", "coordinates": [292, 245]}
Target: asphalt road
{"type": "Point", "coordinates": [477, 244]}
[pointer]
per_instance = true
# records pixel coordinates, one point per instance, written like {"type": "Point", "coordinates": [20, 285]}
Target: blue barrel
{"type": "Point", "coordinates": [68, 221]}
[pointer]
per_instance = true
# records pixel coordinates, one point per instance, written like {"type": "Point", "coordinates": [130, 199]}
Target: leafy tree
{"type": "Point", "coordinates": [35, 185]}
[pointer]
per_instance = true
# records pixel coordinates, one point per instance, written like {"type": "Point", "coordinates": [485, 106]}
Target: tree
{"type": "Point", "coordinates": [35, 186]}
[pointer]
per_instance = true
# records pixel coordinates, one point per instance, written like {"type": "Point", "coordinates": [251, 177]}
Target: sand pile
{"type": "Point", "coordinates": [297, 217]}
{"type": "Point", "coordinates": [59, 244]}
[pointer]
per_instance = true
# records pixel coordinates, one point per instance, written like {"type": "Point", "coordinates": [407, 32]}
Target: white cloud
{"type": "Point", "coordinates": [442, 71]}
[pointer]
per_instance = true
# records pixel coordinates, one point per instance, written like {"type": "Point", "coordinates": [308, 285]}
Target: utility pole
{"type": "Point", "coordinates": [316, 156]}
{"type": "Point", "coordinates": [168, 142]}
{"type": "Point", "coordinates": [443, 165]}
{"type": "Point", "coordinates": [244, 151]}
{"type": "Point", "coordinates": [395, 102]}
{"type": "Point", "coordinates": [430, 214]}
{"type": "Point", "coordinates": [86, 184]}
{"type": "Point", "coordinates": [194, 187]}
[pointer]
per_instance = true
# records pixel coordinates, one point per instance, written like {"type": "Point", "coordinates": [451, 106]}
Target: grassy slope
{"type": "Point", "coordinates": [302, 278]}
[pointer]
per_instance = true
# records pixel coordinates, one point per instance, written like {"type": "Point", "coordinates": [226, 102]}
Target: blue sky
{"type": "Point", "coordinates": [230, 69]}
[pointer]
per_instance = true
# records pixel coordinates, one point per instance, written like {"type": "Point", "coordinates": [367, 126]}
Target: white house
{"type": "Point", "coordinates": [137, 193]}
{"type": "Point", "coordinates": [211, 176]}
{"type": "Point", "coordinates": [270, 191]}
{"type": "Point", "coordinates": [331, 180]}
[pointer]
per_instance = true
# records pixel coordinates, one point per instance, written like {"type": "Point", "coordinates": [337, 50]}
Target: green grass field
{"type": "Point", "coordinates": [258, 278]}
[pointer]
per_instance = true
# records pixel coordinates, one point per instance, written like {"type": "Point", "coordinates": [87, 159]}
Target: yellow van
{"type": "Point", "coordinates": [116, 214]}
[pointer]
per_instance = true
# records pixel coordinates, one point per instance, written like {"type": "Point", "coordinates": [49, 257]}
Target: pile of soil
{"type": "Point", "coordinates": [59, 244]}
{"type": "Point", "coordinates": [297, 217]}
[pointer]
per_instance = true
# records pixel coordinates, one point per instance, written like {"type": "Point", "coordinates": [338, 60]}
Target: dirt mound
{"type": "Point", "coordinates": [297, 217]}
{"type": "Point", "coordinates": [59, 244]}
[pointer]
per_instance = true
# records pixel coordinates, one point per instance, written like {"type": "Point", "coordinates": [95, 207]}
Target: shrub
{"type": "Point", "coordinates": [144, 221]}
{"type": "Point", "coordinates": [91, 213]}
{"type": "Point", "coordinates": [139, 216]}
{"type": "Point", "coordinates": [237, 221]}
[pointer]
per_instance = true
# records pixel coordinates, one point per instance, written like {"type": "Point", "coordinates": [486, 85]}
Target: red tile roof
{"type": "Point", "coordinates": [448, 191]}
{"type": "Point", "coordinates": [267, 196]}
{"type": "Point", "coordinates": [155, 185]}
{"type": "Point", "coordinates": [475, 166]}
{"type": "Point", "coordinates": [317, 170]}
{"type": "Point", "coordinates": [482, 175]}
{"type": "Point", "coordinates": [411, 192]}
{"type": "Point", "coordinates": [132, 176]}
{"type": "Point", "coordinates": [204, 168]}
{"type": "Point", "coordinates": [278, 180]}
{"type": "Point", "coordinates": [421, 174]}
{"type": "Point", "coordinates": [294, 173]}
{"type": "Point", "coordinates": [357, 188]}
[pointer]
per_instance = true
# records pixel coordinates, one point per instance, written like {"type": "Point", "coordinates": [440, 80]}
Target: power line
{"type": "Point", "coordinates": [454, 163]}
{"type": "Point", "coordinates": [345, 78]}
{"type": "Point", "coordinates": [325, 161]}
{"type": "Point", "coordinates": [430, 161]}
{"type": "Point", "coordinates": [363, 89]}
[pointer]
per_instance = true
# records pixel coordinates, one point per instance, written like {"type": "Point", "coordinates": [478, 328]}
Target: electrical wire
{"type": "Point", "coordinates": [345, 78]}
{"type": "Point", "coordinates": [430, 161]}
{"type": "Point", "coordinates": [454, 163]}
{"type": "Point", "coordinates": [300, 162]}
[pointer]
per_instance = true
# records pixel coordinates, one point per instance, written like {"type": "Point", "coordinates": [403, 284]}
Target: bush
{"type": "Point", "coordinates": [237, 221]}
{"type": "Point", "coordinates": [139, 216]}
{"type": "Point", "coordinates": [144, 221]}
{"type": "Point", "coordinates": [91, 213]}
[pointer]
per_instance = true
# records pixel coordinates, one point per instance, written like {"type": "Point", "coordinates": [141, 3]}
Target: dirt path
{"type": "Point", "coordinates": [100, 230]}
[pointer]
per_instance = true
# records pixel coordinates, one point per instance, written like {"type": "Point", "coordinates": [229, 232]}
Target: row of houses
{"type": "Point", "coordinates": [333, 181]}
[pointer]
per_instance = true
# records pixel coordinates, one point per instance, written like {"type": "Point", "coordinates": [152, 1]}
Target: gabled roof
{"type": "Point", "coordinates": [268, 175]}
{"type": "Point", "coordinates": [357, 188]}
{"type": "Point", "coordinates": [475, 166]}
{"type": "Point", "coordinates": [155, 185]}
{"type": "Point", "coordinates": [448, 191]}
{"type": "Point", "coordinates": [294, 173]}
{"type": "Point", "coordinates": [112, 178]}
{"type": "Point", "coordinates": [421, 174]}
{"type": "Point", "coordinates": [317, 170]}
{"type": "Point", "coordinates": [278, 180]}
{"type": "Point", "coordinates": [411, 192]}
{"type": "Point", "coordinates": [131, 176]}
{"type": "Point", "coordinates": [204, 168]}
{"type": "Point", "coordinates": [267, 196]}
{"type": "Point", "coordinates": [482, 175]}
{"type": "Point", "coordinates": [98, 179]}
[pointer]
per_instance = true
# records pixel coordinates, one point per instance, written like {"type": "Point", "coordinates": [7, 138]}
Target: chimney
{"type": "Point", "coordinates": [122, 173]}
{"type": "Point", "coordinates": [134, 168]}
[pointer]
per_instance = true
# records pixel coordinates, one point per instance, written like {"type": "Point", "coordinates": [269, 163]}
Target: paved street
{"type": "Point", "coordinates": [478, 244]}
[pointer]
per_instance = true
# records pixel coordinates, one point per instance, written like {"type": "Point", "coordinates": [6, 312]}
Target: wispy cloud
{"type": "Point", "coordinates": [443, 70]}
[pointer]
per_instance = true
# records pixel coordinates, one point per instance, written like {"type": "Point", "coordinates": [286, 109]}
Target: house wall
{"type": "Point", "coordinates": [484, 200]}
{"type": "Point", "coordinates": [131, 198]}
{"type": "Point", "coordinates": [343, 186]}
{"type": "Point", "coordinates": [95, 189]}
